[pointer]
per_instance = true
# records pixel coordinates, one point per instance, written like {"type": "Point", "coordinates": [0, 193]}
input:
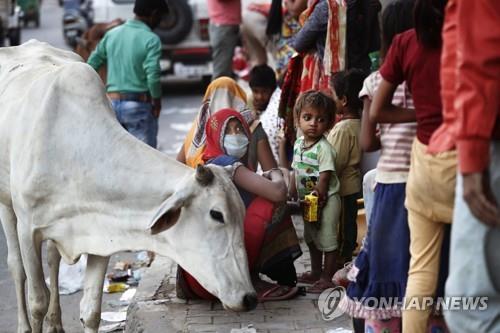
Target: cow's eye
{"type": "Point", "coordinates": [216, 215]}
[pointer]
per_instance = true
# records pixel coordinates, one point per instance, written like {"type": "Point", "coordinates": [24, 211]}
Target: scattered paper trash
{"type": "Point", "coordinates": [128, 295]}
{"type": "Point", "coordinates": [248, 329]}
{"type": "Point", "coordinates": [71, 276]}
{"type": "Point", "coordinates": [114, 317]}
{"type": "Point", "coordinates": [112, 327]}
{"type": "Point", "coordinates": [122, 265]}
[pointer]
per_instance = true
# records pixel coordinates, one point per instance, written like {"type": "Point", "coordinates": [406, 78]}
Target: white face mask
{"type": "Point", "coordinates": [235, 145]}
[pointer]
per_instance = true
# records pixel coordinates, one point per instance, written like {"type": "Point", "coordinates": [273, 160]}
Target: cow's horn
{"type": "Point", "coordinates": [204, 175]}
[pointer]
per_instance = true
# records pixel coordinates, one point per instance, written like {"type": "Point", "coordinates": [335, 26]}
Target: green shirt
{"type": "Point", "coordinates": [309, 163]}
{"type": "Point", "coordinates": [132, 53]}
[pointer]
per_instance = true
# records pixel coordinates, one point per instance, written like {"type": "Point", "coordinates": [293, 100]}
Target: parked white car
{"type": "Point", "coordinates": [184, 33]}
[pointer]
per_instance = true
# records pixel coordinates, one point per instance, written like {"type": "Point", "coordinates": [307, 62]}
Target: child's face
{"type": "Point", "coordinates": [313, 122]}
{"type": "Point", "coordinates": [261, 97]}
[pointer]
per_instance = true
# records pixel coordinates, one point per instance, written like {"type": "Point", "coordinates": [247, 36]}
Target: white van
{"type": "Point", "coordinates": [184, 34]}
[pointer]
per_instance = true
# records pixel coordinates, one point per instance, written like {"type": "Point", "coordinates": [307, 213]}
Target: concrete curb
{"type": "Point", "coordinates": [149, 307]}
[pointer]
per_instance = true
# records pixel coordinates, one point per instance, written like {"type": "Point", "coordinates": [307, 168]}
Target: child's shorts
{"type": "Point", "coordinates": [325, 237]}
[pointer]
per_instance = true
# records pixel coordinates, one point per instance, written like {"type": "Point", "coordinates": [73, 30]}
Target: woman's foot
{"type": "Point", "coordinates": [277, 293]}
{"type": "Point", "coordinates": [319, 286]}
{"type": "Point", "coordinates": [267, 292]}
{"type": "Point", "coordinates": [308, 277]}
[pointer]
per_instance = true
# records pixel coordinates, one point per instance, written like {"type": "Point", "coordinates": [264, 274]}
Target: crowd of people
{"type": "Point", "coordinates": [317, 103]}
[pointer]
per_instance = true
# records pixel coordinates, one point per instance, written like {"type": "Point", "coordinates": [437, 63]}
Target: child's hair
{"type": "Point", "coordinates": [317, 100]}
{"type": "Point", "coordinates": [146, 7]}
{"type": "Point", "coordinates": [349, 83]}
{"type": "Point", "coordinates": [262, 76]}
{"type": "Point", "coordinates": [429, 18]}
{"type": "Point", "coordinates": [397, 17]}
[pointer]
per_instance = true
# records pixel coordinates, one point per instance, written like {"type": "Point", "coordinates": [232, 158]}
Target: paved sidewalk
{"type": "Point", "coordinates": [156, 308]}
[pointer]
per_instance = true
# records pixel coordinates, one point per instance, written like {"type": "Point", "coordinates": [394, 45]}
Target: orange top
{"type": "Point", "coordinates": [470, 78]}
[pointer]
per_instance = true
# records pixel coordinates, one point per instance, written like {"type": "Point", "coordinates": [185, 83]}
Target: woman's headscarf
{"type": "Point", "coordinates": [215, 130]}
{"type": "Point", "coordinates": [222, 93]}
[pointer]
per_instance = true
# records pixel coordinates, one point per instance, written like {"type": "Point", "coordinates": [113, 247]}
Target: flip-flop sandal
{"type": "Point", "coordinates": [319, 286]}
{"type": "Point", "coordinates": [265, 296]}
{"type": "Point", "coordinates": [306, 277]}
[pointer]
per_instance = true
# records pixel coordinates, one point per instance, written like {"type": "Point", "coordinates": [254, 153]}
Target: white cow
{"type": "Point", "coordinates": [69, 173]}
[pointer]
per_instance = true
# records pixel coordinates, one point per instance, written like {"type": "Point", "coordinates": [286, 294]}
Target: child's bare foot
{"type": "Point", "coordinates": [308, 277]}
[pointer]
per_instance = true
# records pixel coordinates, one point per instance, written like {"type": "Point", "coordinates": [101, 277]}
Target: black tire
{"type": "Point", "coordinates": [178, 23]}
{"type": "Point", "coordinates": [15, 36]}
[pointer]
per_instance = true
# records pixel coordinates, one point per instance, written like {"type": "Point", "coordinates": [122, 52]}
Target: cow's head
{"type": "Point", "coordinates": [203, 222]}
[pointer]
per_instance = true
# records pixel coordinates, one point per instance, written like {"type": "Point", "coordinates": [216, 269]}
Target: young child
{"type": "Point", "coordinates": [381, 268]}
{"type": "Point", "coordinates": [314, 171]}
{"type": "Point", "coordinates": [345, 140]}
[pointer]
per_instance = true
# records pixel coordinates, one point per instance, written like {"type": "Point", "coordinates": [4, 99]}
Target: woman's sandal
{"type": "Point", "coordinates": [283, 293]}
{"type": "Point", "coordinates": [307, 277]}
{"type": "Point", "coordinates": [319, 286]}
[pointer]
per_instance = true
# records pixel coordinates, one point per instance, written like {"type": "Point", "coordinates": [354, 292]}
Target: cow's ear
{"type": "Point", "coordinates": [229, 170]}
{"type": "Point", "coordinates": [169, 212]}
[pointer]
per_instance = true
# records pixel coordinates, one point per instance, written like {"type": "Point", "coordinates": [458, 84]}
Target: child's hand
{"type": "Point", "coordinates": [322, 195]}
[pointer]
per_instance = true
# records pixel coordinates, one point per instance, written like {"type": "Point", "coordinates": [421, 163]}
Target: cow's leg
{"type": "Point", "coordinates": [15, 263]}
{"type": "Point", "coordinates": [53, 318]}
{"type": "Point", "coordinates": [38, 293]}
{"type": "Point", "coordinates": [90, 305]}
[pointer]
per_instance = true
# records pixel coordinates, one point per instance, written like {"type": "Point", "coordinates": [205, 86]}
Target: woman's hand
{"type": "Point", "coordinates": [270, 185]}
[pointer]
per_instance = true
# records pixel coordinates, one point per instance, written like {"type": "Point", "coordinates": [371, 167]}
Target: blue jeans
{"type": "Point", "coordinates": [474, 260]}
{"type": "Point", "coordinates": [137, 118]}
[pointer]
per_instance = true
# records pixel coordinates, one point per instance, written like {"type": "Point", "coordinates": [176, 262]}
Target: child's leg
{"type": "Point", "coordinates": [358, 324]}
{"type": "Point", "coordinates": [392, 325]}
{"type": "Point", "coordinates": [315, 254]}
{"type": "Point", "coordinates": [330, 266]}
{"type": "Point", "coordinates": [348, 226]}
{"type": "Point", "coordinates": [316, 261]}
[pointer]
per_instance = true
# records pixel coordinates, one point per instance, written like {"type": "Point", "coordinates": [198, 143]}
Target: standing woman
{"type": "Point", "coordinates": [415, 57]}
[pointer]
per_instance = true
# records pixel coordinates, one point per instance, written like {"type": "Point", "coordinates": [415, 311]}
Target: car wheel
{"type": "Point", "coordinates": [177, 24]}
{"type": "Point", "coordinates": [15, 36]}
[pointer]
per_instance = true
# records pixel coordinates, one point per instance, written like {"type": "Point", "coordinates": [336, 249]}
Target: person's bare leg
{"type": "Point", "coordinates": [330, 266]}
{"type": "Point", "coordinates": [316, 261]}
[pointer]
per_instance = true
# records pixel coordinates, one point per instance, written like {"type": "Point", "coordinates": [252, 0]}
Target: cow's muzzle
{"type": "Point", "coordinates": [250, 301]}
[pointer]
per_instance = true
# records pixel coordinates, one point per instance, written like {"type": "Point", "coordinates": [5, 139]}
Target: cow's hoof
{"type": "Point", "coordinates": [24, 330]}
{"type": "Point", "coordinates": [55, 329]}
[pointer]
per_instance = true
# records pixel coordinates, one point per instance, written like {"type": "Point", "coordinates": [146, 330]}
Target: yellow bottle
{"type": "Point", "coordinates": [310, 213]}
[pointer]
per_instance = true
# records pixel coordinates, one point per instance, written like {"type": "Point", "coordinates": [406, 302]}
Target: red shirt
{"type": "Point", "coordinates": [470, 80]}
{"type": "Point", "coordinates": [407, 60]}
{"type": "Point", "coordinates": [224, 12]}
{"type": "Point", "coordinates": [477, 100]}
{"type": "Point", "coordinates": [445, 137]}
